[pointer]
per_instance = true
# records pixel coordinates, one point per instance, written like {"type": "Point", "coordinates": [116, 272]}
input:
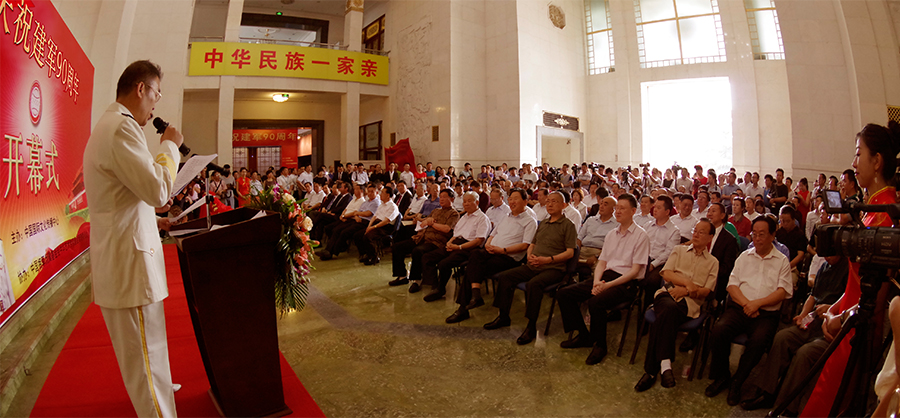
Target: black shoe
{"type": "Point", "coordinates": [371, 261]}
{"type": "Point", "coordinates": [415, 287]}
{"type": "Point", "coordinates": [689, 343]}
{"type": "Point", "coordinates": [717, 386]}
{"type": "Point", "coordinates": [475, 303]}
{"type": "Point", "coordinates": [734, 393]}
{"type": "Point", "coordinates": [527, 336]}
{"type": "Point", "coordinates": [498, 322]}
{"type": "Point", "coordinates": [597, 355]}
{"type": "Point", "coordinates": [324, 255]}
{"type": "Point", "coordinates": [435, 295]}
{"type": "Point", "coordinates": [668, 379]}
{"type": "Point", "coordinates": [764, 400]}
{"type": "Point", "coordinates": [460, 315]}
{"type": "Point", "coordinates": [645, 383]}
{"type": "Point", "coordinates": [578, 341]}
{"type": "Point", "coordinates": [400, 281]}
{"type": "Point", "coordinates": [614, 316]}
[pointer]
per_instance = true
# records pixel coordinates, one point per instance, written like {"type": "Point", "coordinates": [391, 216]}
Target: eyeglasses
{"type": "Point", "coordinates": [158, 94]}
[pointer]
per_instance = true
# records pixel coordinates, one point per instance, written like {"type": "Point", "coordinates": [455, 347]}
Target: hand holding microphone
{"type": "Point", "coordinates": [171, 134]}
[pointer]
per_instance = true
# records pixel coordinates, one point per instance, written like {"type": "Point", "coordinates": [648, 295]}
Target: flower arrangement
{"type": "Point", "coordinates": [294, 247]}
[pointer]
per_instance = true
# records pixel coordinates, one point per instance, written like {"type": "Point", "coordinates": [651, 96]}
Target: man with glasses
{"type": "Point", "coordinates": [124, 183]}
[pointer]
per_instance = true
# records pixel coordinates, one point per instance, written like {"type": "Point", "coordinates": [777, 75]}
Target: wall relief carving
{"type": "Point", "coordinates": [413, 99]}
{"type": "Point", "coordinates": [557, 16]}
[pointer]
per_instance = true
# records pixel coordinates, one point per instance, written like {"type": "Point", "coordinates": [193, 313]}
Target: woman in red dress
{"type": "Point", "coordinates": [875, 165]}
{"type": "Point", "coordinates": [243, 188]}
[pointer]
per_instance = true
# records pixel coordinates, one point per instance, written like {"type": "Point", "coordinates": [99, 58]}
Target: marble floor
{"type": "Point", "coordinates": [364, 349]}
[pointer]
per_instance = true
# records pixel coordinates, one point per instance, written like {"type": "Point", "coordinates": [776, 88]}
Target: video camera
{"type": "Point", "coordinates": [868, 245]}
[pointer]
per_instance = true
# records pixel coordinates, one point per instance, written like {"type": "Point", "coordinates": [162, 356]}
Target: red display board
{"type": "Point", "coordinates": [287, 139]}
{"type": "Point", "coordinates": [46, 85]}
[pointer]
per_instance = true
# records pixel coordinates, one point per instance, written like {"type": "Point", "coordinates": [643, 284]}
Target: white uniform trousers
{"type": "Point", "coordinates": [139, 338]}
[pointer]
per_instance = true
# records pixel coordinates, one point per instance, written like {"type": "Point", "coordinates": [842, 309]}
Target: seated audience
{"type": "Point", "coordinates": [434, 233]}
{"type": "Point", "coordinates": [353, 222]}
{"type": "Point", "coordinates": [685, 221]}
{"type": "Point", "coordinates": [797, 347]}
{"type": "Point", "coordinates": [664, 236]}
{"type": "Point", "coordinates": [760, 281]}
{"type": "Point", "coordinates": [380, 226]}
{"type": "Point", "coordinates": [738, 219]}
{"type": "Point", "coordinates": [593, 232]}
{"type": "Point", "coordinates": [690, 276]}
{"type": "Point", "coordinates": [498, 210]}
{"type": "Point", "coordinates": [645, 216]}
{"type": "Point", "coordinates": [553, 244]}
{"type": "Point", "coordinates": [504, 249]}
{"type": "Point", "coordinates": [793, 237]}
{"type": "Point", "coordinates": [469, 233]}
{"type": "Point", "coordinates": [620, 265]}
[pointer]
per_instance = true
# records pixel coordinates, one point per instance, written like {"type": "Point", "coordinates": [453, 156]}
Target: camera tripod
{"type": "Point", "coordinates": [858, 371]}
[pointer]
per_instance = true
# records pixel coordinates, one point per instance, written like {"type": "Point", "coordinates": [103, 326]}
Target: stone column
{"type": "Point", "coordinates": [353, 16]}
{"type": "Point", "coordinates": [225, 122]}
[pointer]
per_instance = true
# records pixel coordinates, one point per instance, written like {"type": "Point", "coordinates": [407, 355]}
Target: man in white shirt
{"type": "Point", "coordinates": [498, 209]}
{"type": "Point", "coordinates": [540, 209]}
{"type": "Point", "coordinates": [664, 236]}
{"type": "Point", "coordinates": [684, 220]}
{"type": "Point", "coordinates": [573, 214]}
{"type": "Point", "coordinates": [702, 205]}
{"type": "Point", "coordinates": [592, 233]}
{"type": "Point", "coordinates": [504, 249]}
{"type": "Point", "coordinates": [753, 188]}
{"type": "Point", "coordinates": [469, 233]}
{"type": "Point", "coordinates": [284, 181]}
{"type": "Point", "coordinates": [314, 196]}
{"type": "Point", "coordinates": [406, 175]}
{"type": "Point", "coordinates": [621, 264]}
{"type": "Point", "coordinates": [228, 180]}
{"type": "Point", "coordinates": [585, 175]}
{"type": "Point", "coordinates": [760, 281]}
{"type": "Point", "coordinates": [306, 177]}
{"type": "Point", "coordinates": [380, 226]}
{"type": "Point", "coordinates": [528, 174]}
{"type": "Point", "coordinates": [645, 217]}
{"type": "Point", "coordinates": [360, 176]}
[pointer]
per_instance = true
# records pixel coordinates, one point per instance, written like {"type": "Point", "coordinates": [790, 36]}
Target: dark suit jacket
{"type": "Point", "coordinates": [338, 208]}
{"type": "Point", "coordinates": [344, 177]}
{"type": "Point", "coordinates": [726, 251]}
{"type": "Point", "coordinates": [404, 202]}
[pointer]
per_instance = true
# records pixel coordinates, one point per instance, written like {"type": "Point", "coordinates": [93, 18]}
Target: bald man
{"type": "Point", "coordinates": [593, 232]}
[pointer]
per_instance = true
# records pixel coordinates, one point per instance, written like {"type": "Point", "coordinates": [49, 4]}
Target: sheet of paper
{"type": "Point", "coordinates": [181, 232]}
{"type": "Point", "coordinates": [259, 214]}
{"type": "Point", "coordinates": [190, 209]}
{"type": "Point", "coordinates": [189, 170]}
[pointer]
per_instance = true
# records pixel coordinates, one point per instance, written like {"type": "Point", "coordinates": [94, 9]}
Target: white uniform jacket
{"type": "Point", "coordinates": [124, 182]}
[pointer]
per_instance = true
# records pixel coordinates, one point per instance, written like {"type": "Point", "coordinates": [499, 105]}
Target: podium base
{"type": "Point", "coordinates": [279, 413]}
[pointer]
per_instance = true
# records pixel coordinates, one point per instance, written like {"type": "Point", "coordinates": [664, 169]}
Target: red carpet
{"type": "Point", "coordinates": [85, 380]}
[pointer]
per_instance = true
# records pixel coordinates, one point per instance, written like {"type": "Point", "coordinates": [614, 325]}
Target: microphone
{"type": "Point", "coordinates": [161, 126]}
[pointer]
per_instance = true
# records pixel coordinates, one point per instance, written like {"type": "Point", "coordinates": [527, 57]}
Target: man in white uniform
{"type": "Point", "coordinates": [124, 183]}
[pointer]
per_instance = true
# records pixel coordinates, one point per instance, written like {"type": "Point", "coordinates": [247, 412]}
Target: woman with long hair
{"type": "Point", "coordinates": [875, 166]}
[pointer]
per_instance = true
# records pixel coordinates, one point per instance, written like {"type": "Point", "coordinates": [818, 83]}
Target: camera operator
{"type": "Point", "coordinates": [124, 183]}
{"type": "Point", "coordinates": [875, 164]}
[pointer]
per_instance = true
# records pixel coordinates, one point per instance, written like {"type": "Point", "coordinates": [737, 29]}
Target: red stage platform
{"type": "Point", "coordinates": [85, 380]}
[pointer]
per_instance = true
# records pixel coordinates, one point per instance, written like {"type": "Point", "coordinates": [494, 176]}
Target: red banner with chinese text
{"type": "Point", "coordinates": [46, 85]}
{"type": "Point", "coordinates": [288, 139]}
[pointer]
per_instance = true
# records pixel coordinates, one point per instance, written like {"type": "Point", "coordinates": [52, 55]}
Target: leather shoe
{"type": "Point", "coordinates": [324, 255]}
{"type": "Point", "coordinates": [400, 281]}
{"type": "Point", "coordinates": [415, 287]}
{"type": "Point", "coordinates": [527, 336]}
{"type": "Point", "coordinates": [645, 383]}
{"type": "Point", "coordinates": [597, 355]}
{"type": "Point", "coordinates": [717, 386]}
{"type": "Point", "coordinates": [498, 322]}
{"type": "Point", "coordinates": [668, 379]}
{"type": "Point", "coordinates": [435, 295]}
{"type": "Point", "coordinates": [734, 393]}
{"type": "Point", "coordinates": [578, 341]}
{"type": "Point", "coordinates": [475, 303]}
{"type": "Point", "coordinates": [371, 261]}
{"type": "Point", "coordinates": [762, 401]}
{"type": "Point", "coordinates": [460, 315]}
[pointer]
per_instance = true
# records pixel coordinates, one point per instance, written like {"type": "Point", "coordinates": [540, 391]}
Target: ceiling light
{"type": "Point", "coordinates": [280, 98]}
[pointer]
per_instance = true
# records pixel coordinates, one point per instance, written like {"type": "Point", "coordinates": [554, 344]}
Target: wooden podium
{"type": "Point", "coordinates": [228, 278]}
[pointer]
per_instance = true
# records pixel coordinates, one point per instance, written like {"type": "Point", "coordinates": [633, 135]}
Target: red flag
{"type": "Point", "coordinates": [400, 154]}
